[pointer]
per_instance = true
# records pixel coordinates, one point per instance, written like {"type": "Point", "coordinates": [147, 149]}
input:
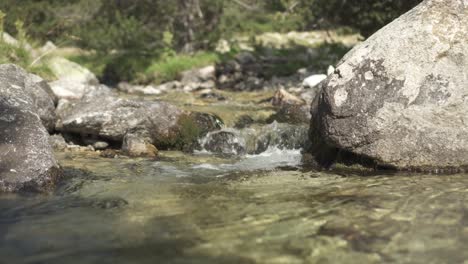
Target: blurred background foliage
{"type": "Point", "coordinates": [128, 38]}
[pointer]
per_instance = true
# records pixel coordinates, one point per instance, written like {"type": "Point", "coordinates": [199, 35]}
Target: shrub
{"type": "Point", "coordinates": [367, 16]}
{"type": "Point", "coordinates": [19, 54]}
{"type": "Point", "coordinates": [169, 68]}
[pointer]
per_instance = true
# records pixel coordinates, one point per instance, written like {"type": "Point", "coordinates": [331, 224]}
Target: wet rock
{"type": "Point", "coordinates": [26, 158]}
{"type": "Point", "coordinates": [138, 146]}
{"type": "Point", "coordinates": [109, 203]}
{"type": "Point", "coordinates": [58, 142]}
{"type": "Point", "coordinates": [110, 153]}
{"type": "Point", "coordinates": [256, 139]}
{"type": "Point", "coordinates": [224, 142]}
{"type": "Point", "coordinates": [282, 97]}
{"type": "Point", "coordinates": [282, 136]}
{"type": "Point", "coordinates": [206, 122]}
{"type": "Point", "coordinates": [244, 121]}
{"type": "Point", "coordinates": [399, 99]}
{"type": "Point", "coordinates": [210, 94]}
{"type": "Point", "coordinates": [289, 108]}
{"type": "Point", "coordinates": [292, 114]}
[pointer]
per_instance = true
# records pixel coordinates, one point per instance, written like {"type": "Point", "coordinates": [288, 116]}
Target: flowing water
{"type": "Point", "coordinates": [252, 208]}
{"type": "Point", "coordinates": [256, 209]}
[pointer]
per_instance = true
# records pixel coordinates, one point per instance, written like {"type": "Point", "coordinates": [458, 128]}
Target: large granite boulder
{"type": "Point", "coordinates": [399, 99]}
{"type": "Point", "coordinates": [66, 69]}
{"type": "Point", "coordinates": [44, 99]}
{"type": "Point", "coordinates": [38, 90]}
{"type": "Point", "coordinates": [73, 80]}
{"type": "Point", "coordinates": [111, 118]}
{"type": "Point", "coordinates": [27, 162]}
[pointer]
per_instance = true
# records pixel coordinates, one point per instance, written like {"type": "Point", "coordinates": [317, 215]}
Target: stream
{"type": "Point", "coordinates": [258, 207]}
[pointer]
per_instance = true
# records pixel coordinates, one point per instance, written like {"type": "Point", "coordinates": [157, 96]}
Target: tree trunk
{"type": "Point", "coordinates": [191, 11]}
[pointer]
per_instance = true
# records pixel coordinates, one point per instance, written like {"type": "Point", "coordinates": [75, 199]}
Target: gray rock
{"type": "Point", "coordinates": [43, 98]}
{"type": "Point", "coordinates": [100, 145]}
{"type": "Point", "coordinates": [7, 38]}
{"type": "Point", "coordinates": [399, 98]}
{"type": "Point", "coordinates": [72, 90]}
{"type": "Point", "coordinates": [73, 80]}
{"type": "Point", "coordinates": [138, 89]}
{"type": "Point", "coordinates": [48, 47]}
{"type": "Point", "coordinates": [109, 117]}
{"type": "Point", "coordinates": [40, 93]}
{"type": "Point", "coordinates": [58, 142]}
{"type": "Point", "coordinates": [112, 117]}
{"type": "Point", "coordinates": [66, 69]}
{"type": "Point", "coordinates": [225, 142]}
{"type": "Point", "coordinates": [282, 97]}
{"type": "Point", "coordinates": [255, 139]}
{"type": "Point", "coordinates": [198, 75]}
{"type": "Point", "coordinates": [290, 108]}
{"type": "Point", "coordinates": [137, 146]}
{"type": "Point", "coordinates": [169, 86]}
{"type": "Point", "coordinates": [27, 162]}
{"type": "Point", "coordinates": [282, 136]}
{"type": "Point", "coordinates": [292, 114]}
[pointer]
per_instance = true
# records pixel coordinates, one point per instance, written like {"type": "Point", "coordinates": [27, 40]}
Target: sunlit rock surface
{"type": "Point", "coordinates": [26, 159]}
{"type": "Point", "coordinates": [399, 98]}
{"type": "Point", "coordinates": [111, 118]}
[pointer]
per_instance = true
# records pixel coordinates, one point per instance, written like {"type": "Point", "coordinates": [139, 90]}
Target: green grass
{"type": "Point", "coordinates": [94, 62]}
{"type": "Point", "coordinates": [170, 68]}
{"type": "Point", "coordinates": [157, 69]}
{"type": "Point", "coordinates": [20, 56]}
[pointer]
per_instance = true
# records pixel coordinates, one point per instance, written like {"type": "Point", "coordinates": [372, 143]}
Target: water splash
{"type": "Point", "coordinates": [272, 158]}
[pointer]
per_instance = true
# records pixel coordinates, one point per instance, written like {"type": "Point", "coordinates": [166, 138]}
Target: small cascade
{"type": "Point", "coordinates": [256, 139]}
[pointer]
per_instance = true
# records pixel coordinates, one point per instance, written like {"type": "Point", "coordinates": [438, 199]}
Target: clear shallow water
{"type": "Point", "coordinates": [205, 209]}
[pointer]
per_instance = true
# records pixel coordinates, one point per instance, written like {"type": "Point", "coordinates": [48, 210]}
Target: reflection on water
{"type": "Point", "coordinates": [207, 209]}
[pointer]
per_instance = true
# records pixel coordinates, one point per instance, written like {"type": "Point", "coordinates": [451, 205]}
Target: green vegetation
{"type": "Point", "coordinates": [18, 53]}
{"type": "Point", "coordinates": [367, 16]}
{"type": "Point", "coordinates": [265, 16]}
{"type": "Point", "coordinates": [170, 67]}
{"type": "Point", "coordinates": [154, 40]}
